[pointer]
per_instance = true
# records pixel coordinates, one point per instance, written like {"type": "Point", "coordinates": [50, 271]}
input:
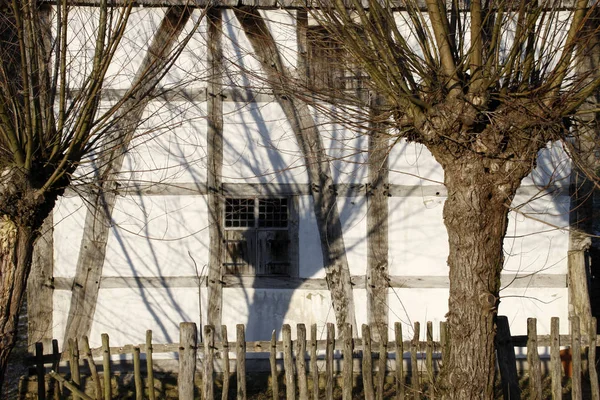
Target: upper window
{"type": "Point", "coordinates": [260, 238]}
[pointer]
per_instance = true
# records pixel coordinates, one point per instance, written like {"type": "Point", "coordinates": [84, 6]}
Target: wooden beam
{"type": "Point", "coordinates": [551, 281]}
{"type": "Point", "coordinates": [215, 167]}
{"type": "Point", "coordinates": [40, 289]}
{"type": "Point", "coordinates": [98, 218]}
{"type": "Point", "coordinates": [377, 225]}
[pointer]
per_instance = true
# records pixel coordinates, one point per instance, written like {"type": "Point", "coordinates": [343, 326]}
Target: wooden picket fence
{"type": "Point", "coordinates": [301, 381]}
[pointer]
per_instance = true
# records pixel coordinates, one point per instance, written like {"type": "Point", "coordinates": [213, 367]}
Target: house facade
{"type": "Point", "coordinates": [213, 220]}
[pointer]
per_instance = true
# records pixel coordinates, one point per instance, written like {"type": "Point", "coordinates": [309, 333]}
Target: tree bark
{"type": "Point", "coordinates": [16, 249]}
{"type": "Point", "coordinates": [476, 218]}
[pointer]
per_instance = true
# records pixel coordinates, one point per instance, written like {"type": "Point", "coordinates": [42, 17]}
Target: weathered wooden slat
{"type": "Point", "coordinates": [429, 360]}
{"type": "Point", "coordinates": [40, 371]}
{"type": "Point", "coordinates": [555, 364]}
{"type": "Point", "coordinates": [576, 393]}
{"type": "Point", "coordinates": [106, 366]}
{"type": "Point", "coordinates": [188, 342]}
{"type": "Point", "coordinates": [347, 366]}
{"type": "Point", "coordinates": [533, 359]}
{"type": "Point", "coordinates": [288, 363]}
{"type": "Point", "coordinates": [314, 371]}
{"type": "Point", "coordinates": [414, 368]}
{"type": "Point", "coordinates": [225, 357]}
{"type": "Point", "coordinates": [301, 361]}
{"type": "Point", "coordinates": [73, 388]}
{"type": "Point", "coordinates": [273, 364]}
{"type": "Point", "coordinates": [329, 361]}
{"type": "Point", "coordinates": [240, 352]}
{"type": "Point", "coordinates": [74, 365]}
{"type": "Point", "coordinates": [149, 364]}
{"type": "Point", "coordinates": [399, 351]}
{"type": "Point", "coordinates": [208, 376]}
{"type": "Point", "coordinates": [273, 282]}
{"type": "Point", "coordinates": [367, 363]}
{"type": "Point", "coordinates": [382, 360]}
{"type": "Point", "coordinates": [137, 375]}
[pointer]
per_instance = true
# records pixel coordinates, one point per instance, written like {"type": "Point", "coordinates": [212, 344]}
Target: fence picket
{"type": "Point", "coordinates": [240, 357]}
{"type": "Point", "coordinates": [576, 358]}
{"type": "Point", "coordinates": [507, 362]}
{"type": "Point", "coordinates": [399, 361]}
{"type": "Point", "coordinates": [347, 365]}
{"type": "Point", "coordinates": [555, 365]}
{"type": "Point", "coordinates": [314, 371]}
{"type": "Point", "coordinates": [106, 366]}
{"type": "Point", "coordinates": [273, 363]}
{"type": "Point", "coordinates": [288, 363]}
{"type": "Point", "coordinates": [40, 371]}
{"type": "Point", "coordinates": [74, 365]}
{"type": "Point", "coordinates": [149, 365]}
{"type": "Point", "coordinates": [367, 363]}
{"type": "Point", "coordinates": [209, 345]}
{"type": "Point", "coordinates": [301, 361]}
{"type": "Point", "coordinates": [329, 361]}
{"type": "Point", "coordinates": [533, 359]}
{"type": "Point", "coordinates": [429, 360]}
{"type": "Point", "coordinates": [382, 361]}
{"type": "Point", "coordinates": [137, 374]}
{"type": "Point", "coordinates": [188, 339]}
{"type": "Point", "coordinates": [225, 357]}
{"type": "Point", "coordinates": [414, 369]}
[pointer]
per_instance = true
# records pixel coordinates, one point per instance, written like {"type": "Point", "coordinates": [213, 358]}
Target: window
{"type": "Point", "coordinates": [260, 236]}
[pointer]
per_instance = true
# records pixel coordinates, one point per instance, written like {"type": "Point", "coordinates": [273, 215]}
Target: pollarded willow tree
{"type": "Point", "coordinates": [484, 85]}
{"type": "Point", "coordinates": [56, 60]}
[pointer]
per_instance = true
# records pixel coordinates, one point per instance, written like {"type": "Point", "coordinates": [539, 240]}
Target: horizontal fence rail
{"type": "Point", "coordinates": [338, 366]}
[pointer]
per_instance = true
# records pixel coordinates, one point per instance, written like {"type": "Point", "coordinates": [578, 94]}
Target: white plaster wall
{"type": "Point", "coordinates": [158, 236]}
{"type": "Point", "coordinates": [69, 218]}
{"type": "Point", "coordinates": [518, 304]}
{"type": "Point", "coordinates": [169, 146]}
{"type": "Point", "coordinates": [265, 310]}
{"type": "Point", "coordinates": [126, 314]}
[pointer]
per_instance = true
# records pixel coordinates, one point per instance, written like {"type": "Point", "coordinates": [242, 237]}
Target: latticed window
{"type": "Point", "coordinates": [257, 236]}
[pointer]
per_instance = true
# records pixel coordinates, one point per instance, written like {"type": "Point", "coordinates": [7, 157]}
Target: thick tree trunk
{"type": "Point", "coordinates": [16, 249]}
{"type": "Point", "coordinates": [476, 217]}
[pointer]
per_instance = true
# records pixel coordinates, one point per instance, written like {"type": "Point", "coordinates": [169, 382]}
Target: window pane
{"type": "Point", "coordinates": [239, 213]}
{"type": "Point", "coordinates": [273, 213]}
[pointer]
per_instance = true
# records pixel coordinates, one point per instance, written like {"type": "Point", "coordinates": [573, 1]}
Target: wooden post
{"type": "Point", "coordinates": [225, 357]}
{"type": "Point", "coordinates": [593, 373]}
{"type": "Point", "coordinates": [382, 362]}
{"type": "Point", "coordinates": [188, 344]}
{"type": "Point", "coordinates": [506, 360]}
{"type": "Point", "coordinates": [314, 370]}
{"type": "Point", "coordinates": [429, 360]}
{"type": "Point", "coordinates": [347, 372]}
{"type": "Point", "coordinates": [399, 361]}
{"type": "Point", "coordinates": [414, 369]}
{"type": "Point", "coordinates": [106, 367]}
{"type": "Point", "coordinates": [444, 342]}
{"type": "Point", "coordinates": [367, 363]}
{"type": "Point", "coordinates": [55, 363]}
{"type": "Point", "coordinates": [301, 361]}
{"type": "Point", "coordinates": [288, 363]}
{"type": "Point", "coordinates": [273, 363]}
{"type": "Point", "coordinates": [330, 346]}
{"type": "Point", "coordinates": [149, 365]}
{"type": "Point", "coordinates": [209, 346]}
{"type": "Point", "coordinates": [137, 374]}
{"type": "Point", "coordinates": [240, 348]}
{"type": "Point", "coordinates": [533, 359]}
{"type": "Point", "coordinates": [40, 370]}
{"type": "Point", "coordinates": [74, 364]}
{"type": "Point", "coordinates": [555, 364]}
{"type": "Point", "coordinates": [576, 358]}
{"type": "Point", "coordinates": [214, 163]}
